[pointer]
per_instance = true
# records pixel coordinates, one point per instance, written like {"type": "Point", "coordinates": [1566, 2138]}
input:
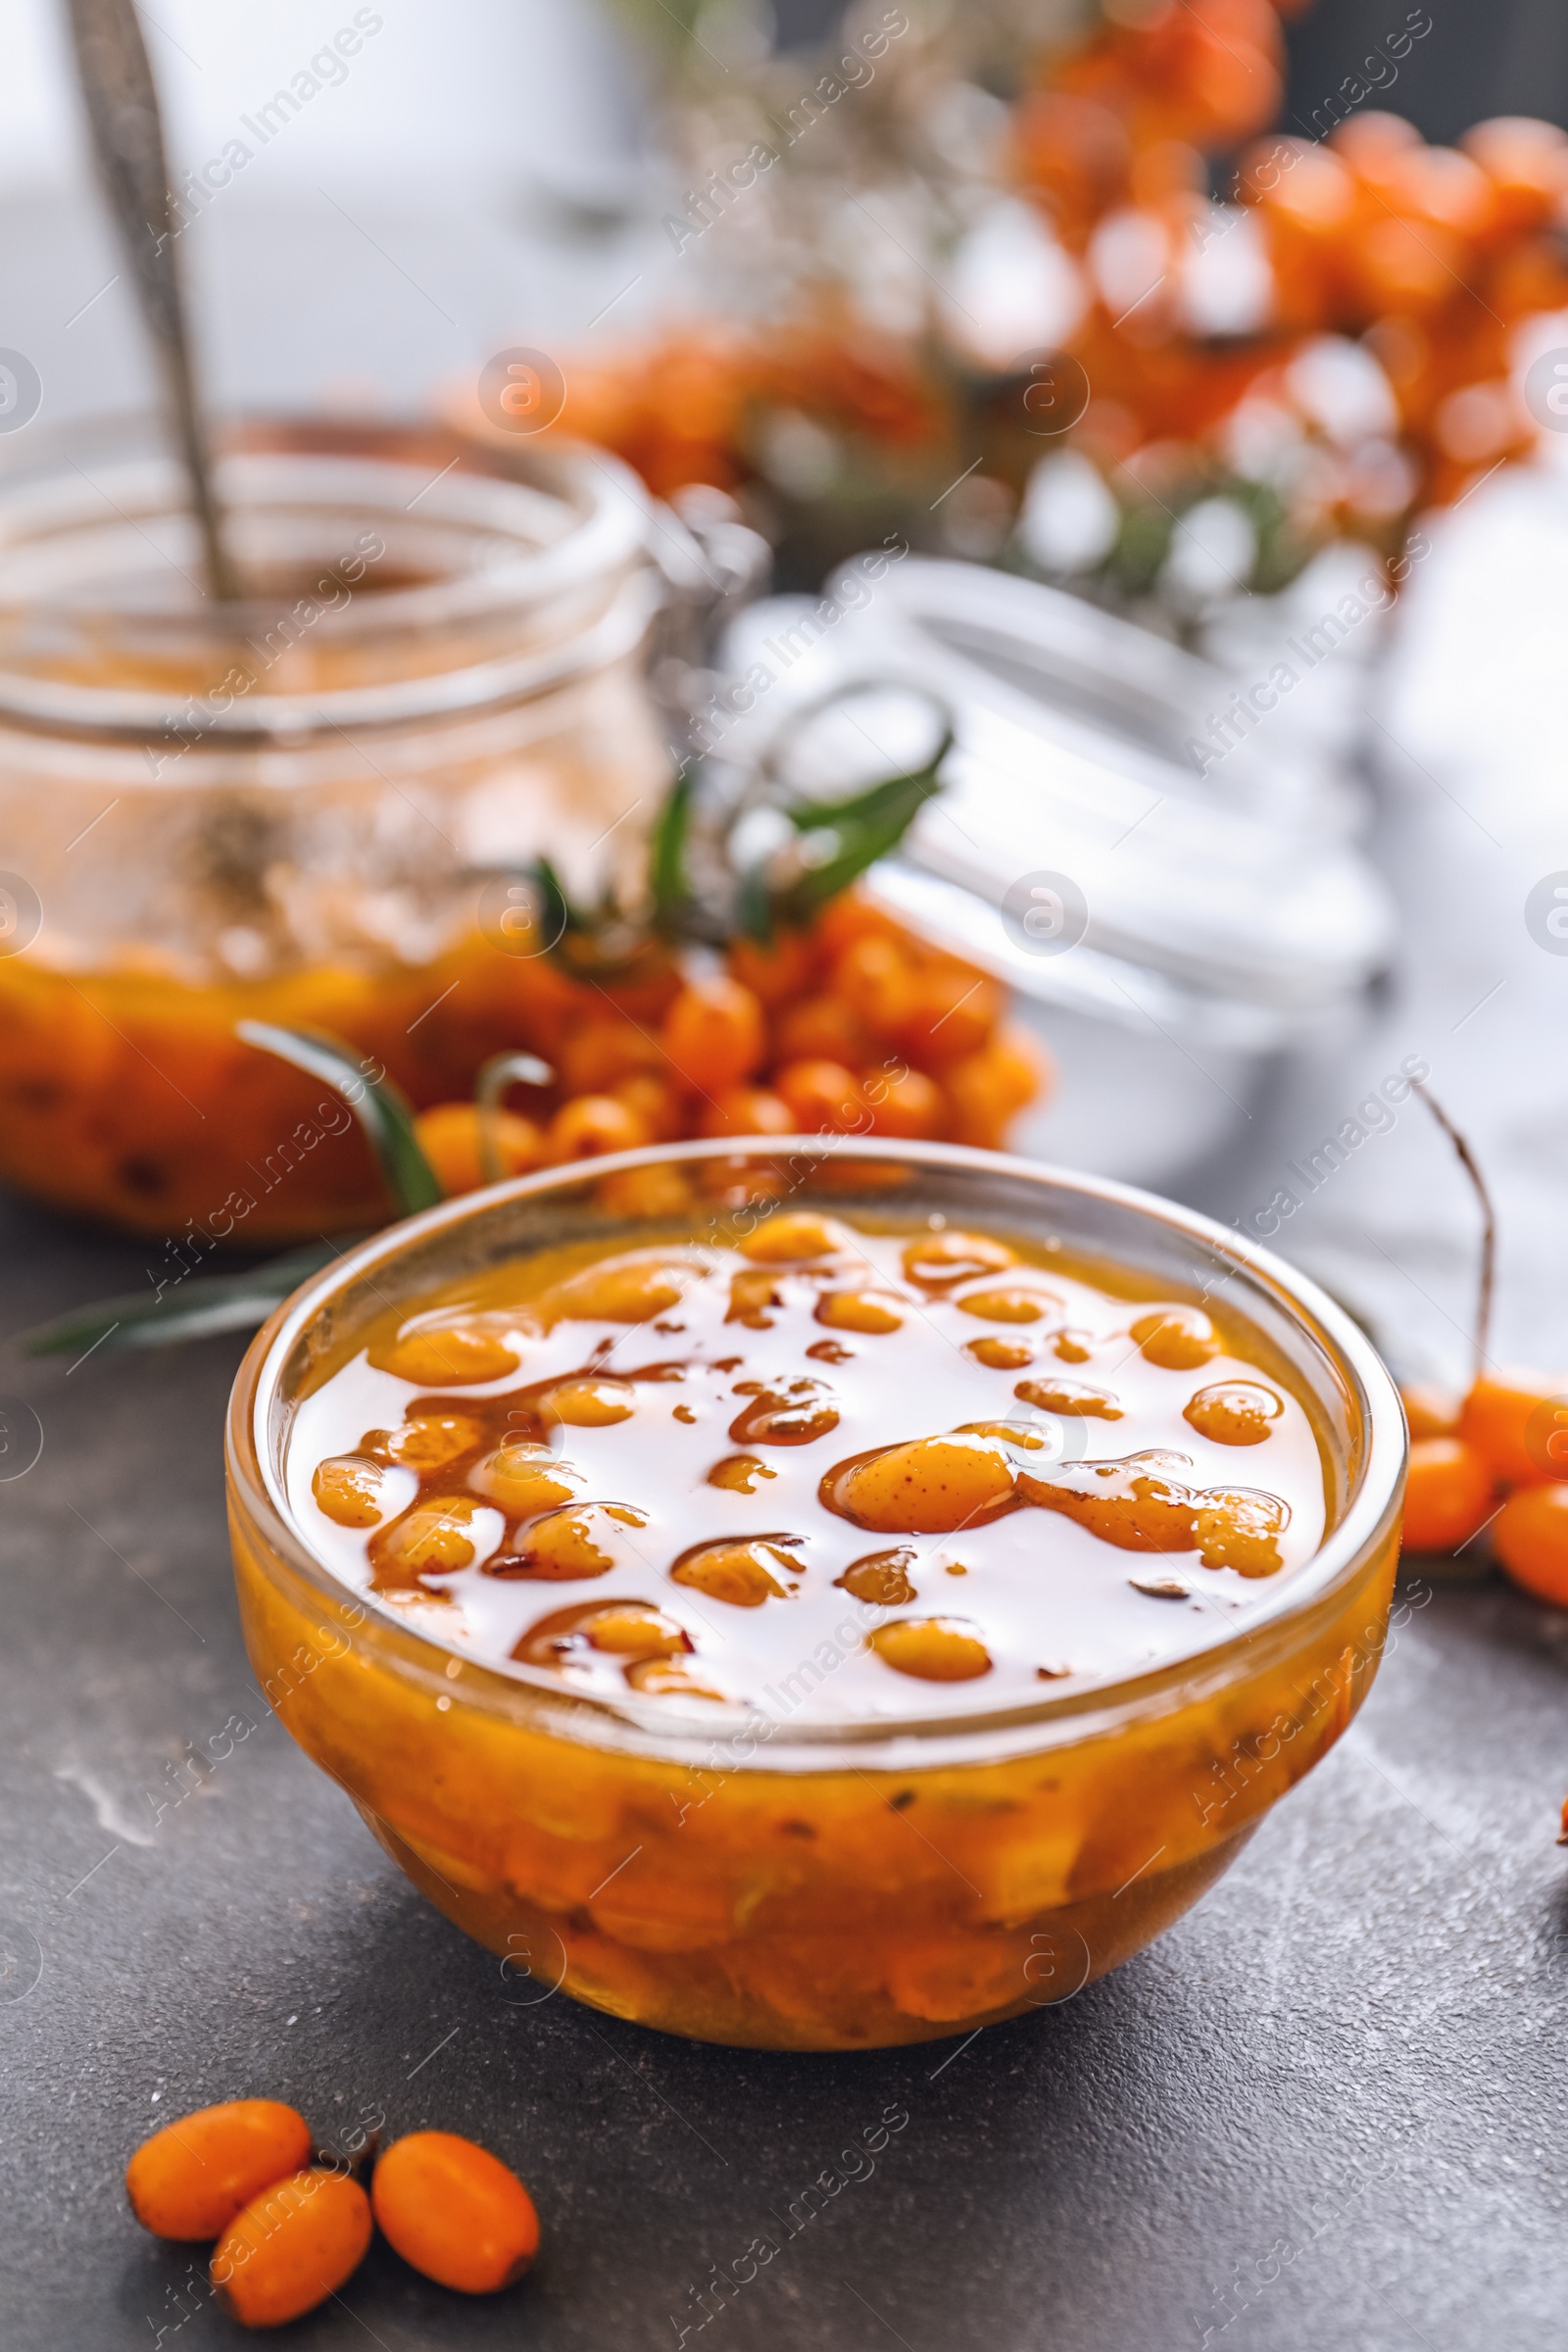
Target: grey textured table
{"type": "Point", "coordinates": [1325, 2111]}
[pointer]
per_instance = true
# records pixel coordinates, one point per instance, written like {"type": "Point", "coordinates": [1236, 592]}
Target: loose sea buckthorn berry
{"type": "Point", "coordinates": [1431, 1412]}
{"type": "Point", "coordinates": [747, 1110]}
{"type": "Point", "coordinates": [1073, 1397]}
{"type": "Point", "coordinates": [822, 1029]}
{"type": "Point", "coordinates": [291, 2247]}
{"type": "Point", "coordinates": [908, 1104]}
{"type": "Point", "coordinates": [793, 1237]}
{"type": "Point", "coordinates": [350, 1491]}
{"type": "Point", "coordinates": [1232, 1412]}
{"type": "Point", "coordinates": [657, 1192]}
{"type": "Point", "coordinates": [937, 1260]}
{"type": "Point", "coordinates": [1510, 1418]}
{"type": "Point", "coordinates": [448, 1137]}
{"type": "Point", "coordinates": [1177, 1338]}
{"type": "Point", "coordinates": [191, 2178]}
{"type": "Point", "coordinates": [933, 1650]}
{"type": "Point", "coordinates": [714, 1034]}
{"type": "Point", "coordinates": [591, 1127]}
{"type": "Point", "coordinates": [989, 1087]}
{"type": "Point", "coordinates": [1530, 1536]}
{"type": "Point", "coordinates": [823, 1097]}
{"type": "Point", "coordinates": [1447, 1494]}
{"type": "Point", "coordinates": [455, 2212]}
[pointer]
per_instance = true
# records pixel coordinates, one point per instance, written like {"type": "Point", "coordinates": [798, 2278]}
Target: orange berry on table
{"type": "Point", "coordinates": [1530, 1536]}
{"type": "Point", "coordinates": [590, 1127]}
{"type": "Point", "coordinates": [747, 1110]}
{"type": "Point", "coordinates": [455, 2212]}
{"type": "Point", "coordinates": [191, 2178]}
{"type": "Point", "coordinates": [1431, 1412]}
{"type": "Point", "coordinates": [714, 1034]}
{"type": "Point", "coordinates": [822, 1095]}
{"type": "Point", "coordinates": [656, 1103]}
{"type": "Point", "coordinates": [904, 1103]}
{"type": "Point", "coordinates": [448, 1137]}
{"type": "Point", "coordinates": [1513, 1420]}
{"type": "Point", "coordinates": [822, 1029]}
{"type": "Point", "coordinates": [291, 2247]}
{"type": "Point", "coordinates": [1449, 1493]}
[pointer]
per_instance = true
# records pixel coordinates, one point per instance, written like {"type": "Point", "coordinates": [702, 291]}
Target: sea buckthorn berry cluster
{"type": "Point", "coordinates": [292, 2228]}
{"type": "Point", "coordinates": [853, 1027]}
{"type": "Point", "coordinates": [1498, 1458]}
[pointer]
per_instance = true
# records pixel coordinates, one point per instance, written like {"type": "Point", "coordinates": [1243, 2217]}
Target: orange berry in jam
{"type": "Point", "coordinates": [191, 2178]}
{"type": "Point", "coordinates": [1530, 1536]}
{"type": "Point", "coordinates": [1450, 1491]}
{"type": "Point", "coordinates": [455, 2212]}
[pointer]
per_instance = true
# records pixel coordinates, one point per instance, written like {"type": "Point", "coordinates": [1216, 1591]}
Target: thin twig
{"type": "Point", "coordinates": [1489, 1221]}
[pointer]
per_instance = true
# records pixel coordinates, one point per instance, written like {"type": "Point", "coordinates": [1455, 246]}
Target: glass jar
{"type": "Point", "coordinates": [302, 808]}
{"type": "Point", "coordinates": [746, 1878]}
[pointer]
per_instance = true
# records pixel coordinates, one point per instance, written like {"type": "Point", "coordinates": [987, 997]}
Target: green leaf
{"type": "Point", "coordinates": [382, 1109]}
{"type": "Point", "coordinates": [671, 890]}
{"type": "Point", "coordinates": [195, 1309]}
{"type": "Point", "coordinates": [867, 827]}
{"type": "Point", "coordinates": [495, 1076]}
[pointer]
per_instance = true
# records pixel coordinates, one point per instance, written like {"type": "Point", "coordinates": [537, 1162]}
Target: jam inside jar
{"type": "Point", "coordinates": [309, 808]}
{"type": "Point", "coordinates": [811, 1760]}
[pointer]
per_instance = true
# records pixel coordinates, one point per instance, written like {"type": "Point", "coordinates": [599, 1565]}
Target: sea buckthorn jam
{"type": "Point", "coordinates": [818, 1629]}
{"type": "Point", "coordinates": [659, 1427]}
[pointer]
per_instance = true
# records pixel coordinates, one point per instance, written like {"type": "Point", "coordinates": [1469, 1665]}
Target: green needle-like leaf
{"type": "Point", "coordinates": [382, 1109]}
{"type": "Point", "coordinates": [192, 1310]}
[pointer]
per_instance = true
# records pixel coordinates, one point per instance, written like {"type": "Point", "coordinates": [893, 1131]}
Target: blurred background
{"type": "Point", "coordinates": [1184, 347]}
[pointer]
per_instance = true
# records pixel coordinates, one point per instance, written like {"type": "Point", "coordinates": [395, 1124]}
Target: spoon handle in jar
{"type": "Point", "coordinates": [127, 134]}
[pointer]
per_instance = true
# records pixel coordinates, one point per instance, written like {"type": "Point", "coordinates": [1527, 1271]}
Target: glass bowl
{"type": "Point", "coordinates": [301, 809]}
{"type": "Point", "coordinates": [785, 1880]}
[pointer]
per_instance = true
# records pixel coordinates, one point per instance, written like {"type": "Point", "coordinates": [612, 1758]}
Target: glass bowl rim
{"type": "Point", "coordinates": [652, 1725]}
